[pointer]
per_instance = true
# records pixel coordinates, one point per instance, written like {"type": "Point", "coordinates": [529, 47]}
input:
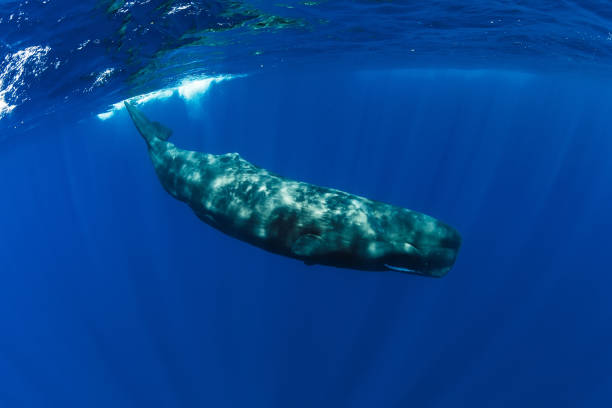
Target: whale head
{"type": "Point", "coordinates": [428, 247]}
{"type": "Point", "coordinates": [406, 241]}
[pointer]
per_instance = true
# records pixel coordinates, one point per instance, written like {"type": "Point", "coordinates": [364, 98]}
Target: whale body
{"type": "Point", "coordinates": [314, 224]}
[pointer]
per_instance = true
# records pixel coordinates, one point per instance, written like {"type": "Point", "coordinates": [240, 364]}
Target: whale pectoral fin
{"type": "Point", "coordinates": [308, 245]}
{"type": "Point", "coordinates": [161, 131]}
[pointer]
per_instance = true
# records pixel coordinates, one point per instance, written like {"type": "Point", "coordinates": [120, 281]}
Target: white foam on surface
{"type": "Point", "coordinates": [189, 89]}
{"type": "Point", "coordinates": [31, 61]}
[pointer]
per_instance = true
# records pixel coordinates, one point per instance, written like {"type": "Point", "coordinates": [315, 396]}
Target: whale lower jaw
{"type": "Point", "coordinates": [400, 269]}
{"type": "Point", "coordinates": [436, 273]}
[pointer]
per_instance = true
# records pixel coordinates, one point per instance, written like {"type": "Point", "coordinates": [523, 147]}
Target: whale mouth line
{"type": "Point", "coordinates": [400, 269]}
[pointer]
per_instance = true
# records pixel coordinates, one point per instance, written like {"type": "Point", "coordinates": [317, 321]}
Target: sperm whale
{"type": "Point", "coordinates": [314, 224]}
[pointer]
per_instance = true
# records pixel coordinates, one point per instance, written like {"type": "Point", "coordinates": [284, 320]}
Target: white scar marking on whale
{"type": "Point", "coordinates": [318, 212]}
{"type": "Point", "coordinates": [286, 196]}
{"type": "Point", "coordinates": [195, 176]}
{"type": "Point", "coordinates": [244, 212]}
{"type": "Point", "coordinates": [261, 231]}
{"type": "Point", "coordinates": [222, 181]}
{"type": "Point", "coordinates": [357, 213]}
{"type": "Point", "coordinates": [429, 227]}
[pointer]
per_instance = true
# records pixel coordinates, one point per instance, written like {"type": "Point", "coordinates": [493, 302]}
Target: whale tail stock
{"type": "Point", "coordinates": [149, 130]}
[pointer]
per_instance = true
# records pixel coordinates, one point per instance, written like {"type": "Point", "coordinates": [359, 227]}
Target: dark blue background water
{"type": "Point", "coordinates": [114, 294]}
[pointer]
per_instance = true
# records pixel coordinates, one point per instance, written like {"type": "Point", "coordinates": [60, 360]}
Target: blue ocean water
{"type": "Point", "coordinates": [492, 116]}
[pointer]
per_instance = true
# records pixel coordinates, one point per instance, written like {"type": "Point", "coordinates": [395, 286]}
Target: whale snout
{"type": "Point", "coordinates": [440, 261]}
{"type": "Point", "coordinates": [439, 257]}
{"type": "Point", "coordinates": [450, 239]}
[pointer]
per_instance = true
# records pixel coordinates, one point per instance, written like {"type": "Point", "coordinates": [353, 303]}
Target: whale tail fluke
{"type": "Point", "coordinates": [149, 130]}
